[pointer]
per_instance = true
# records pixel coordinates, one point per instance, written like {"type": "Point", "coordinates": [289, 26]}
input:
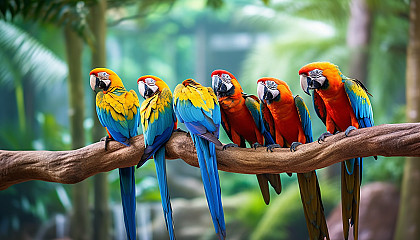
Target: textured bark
{"type": "Point", "coordinates": [101, 211]}
{"type": "Point", "coordinates": [408, 224]}
{"type": "Point", "coordinates": [74, 166]}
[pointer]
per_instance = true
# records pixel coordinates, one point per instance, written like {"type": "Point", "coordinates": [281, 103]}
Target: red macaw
{"type": "Point", "coordinates": [287, 118]}
{"type": "Point", "coordinates": [242, 122]}
{"type": "Point", "coordinates": [342, 104]}
{"type": "Point", "coordinates": [158, 121]}
{"type": "Point", "coordinates": [197, 107]}
{"type": "Point", "coordinates": [118, 111]}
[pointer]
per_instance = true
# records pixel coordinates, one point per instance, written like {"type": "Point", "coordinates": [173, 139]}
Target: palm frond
{"type": "Point", "coordinates": [22, 55]}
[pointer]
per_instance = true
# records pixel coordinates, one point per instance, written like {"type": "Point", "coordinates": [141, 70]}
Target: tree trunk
{"type": "Point", "coordinates": [408, 224]}
{"type": "Point", "coordinates": [358, 38]}
{"type": "Point", "coordinates": [80, 227]}
{"type": "Point", "coordinates": [101, 213]}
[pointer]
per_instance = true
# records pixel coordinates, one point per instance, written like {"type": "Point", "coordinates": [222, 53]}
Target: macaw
{"type": "Point", "coordinates": [342, 104]}
{"type": "Point", "coordinates": [242, 122]}
{"type": "Point", "coordinates": [158, 121]}
{"type": "Point", "coordinates": [197, 107]}
{"type": "Point", "coordinates": [118, 111]}
{"type": "Point", "coordinates": [289, 122]}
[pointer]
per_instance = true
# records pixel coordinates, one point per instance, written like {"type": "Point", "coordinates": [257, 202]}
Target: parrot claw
{"type": "Point", "coordinates": [256, 145]}
{"type": "Point", "coordinates": [375, 157]}
{"type": "Point", "coordinates": [323, 136]}
{"type": "Point", "coordinates": [229, 145]}
{"type": "Point", "coordinates": [294, 145]}
{"type": "Point", "coordinates": [272, 146]}
{"type": "Point", "coordinates": [106, 139]}
{"type": "Point", "coordinates": [348, 130]}
{"type": "Point", "coordinates": [179, 130]}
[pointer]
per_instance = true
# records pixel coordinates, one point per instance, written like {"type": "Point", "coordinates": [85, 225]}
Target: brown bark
{"type": "Point", "coordinates": [74, 166]}
{"type": "Point", "coordinates": [408, 224]}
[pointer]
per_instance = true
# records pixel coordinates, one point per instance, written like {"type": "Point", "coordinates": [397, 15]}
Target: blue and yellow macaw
{"type": "Point", "coordinates": [118, 111]}
{"type": "Point", "coordinates": [158, 121]}
{"type": "Point", "coordinates": [287, 118]}
{"type": "Point", "coordinates": [342, 104]}
{"type": "Point", "coordinates": [197, 107]}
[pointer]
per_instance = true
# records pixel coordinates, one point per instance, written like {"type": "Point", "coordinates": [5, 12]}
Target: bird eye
{"type": "Point", "coordinates": [316, 73]}
{"type": "Point", "coordinates": [150, 81]}
{"type": "Point", "coordinates": [271, 85]}
{"type": "Point", "coordinates": [103, 75]}
{"type": "Point", "coordinates": [225, 77]}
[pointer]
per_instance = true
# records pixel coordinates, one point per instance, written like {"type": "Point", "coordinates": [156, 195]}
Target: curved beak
{"type": "Point", "coordinates": [215, 82]}
{"type": "Point", "coordinates": [141, 86]}
{"type": "Point", "coordinates": [220, 86]}
{"type": "Point", "coordinates": [304, 83]}
{"type": "Point", "coordinates": [261, 89]}
{"type": "Point", "coordinates": [94, 82]}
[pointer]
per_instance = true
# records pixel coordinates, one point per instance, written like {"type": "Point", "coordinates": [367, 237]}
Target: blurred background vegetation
{"type": "Point", "coordinates": [47, 49]}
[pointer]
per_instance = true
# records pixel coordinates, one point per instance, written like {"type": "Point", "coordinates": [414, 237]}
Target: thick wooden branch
{"type": "Point", "coordinates": [77, 165]}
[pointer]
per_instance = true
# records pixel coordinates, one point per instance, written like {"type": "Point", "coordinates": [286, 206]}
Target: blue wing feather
{"type": "Point", "coordinates": [360, 103]}
{"type": "Point", "coordinates": [254, 108]}
{"type": "Point", "coordinates": [305, 118]}
{"type": "Point", "coordinates": [201, 123]}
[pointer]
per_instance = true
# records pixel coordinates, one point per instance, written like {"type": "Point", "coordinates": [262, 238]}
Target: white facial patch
{"type": "Point", "coordinates": [316, 75]}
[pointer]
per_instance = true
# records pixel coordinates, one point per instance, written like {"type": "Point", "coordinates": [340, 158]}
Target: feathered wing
{"type": "Point", "coordinates": [308, 184]}
{"type": "Point", "coordinates": [198, 109]}
{"type": "Point", "coordinates": [118, 111]}
{"type": "Point", "coordinates": [253, 105]}
{"type": "Point", "coordinates": [158, 120]}
{"type": "Point", "coordinates": [351, 170]}
{"type": "Point", "coordinates": [319, 106]}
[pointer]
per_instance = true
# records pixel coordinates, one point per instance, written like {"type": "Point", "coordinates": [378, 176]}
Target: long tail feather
{"type": "Point", "coordinates": [160, 164]}
{"type": "Point", "coordinates": [312, 205]}
{"type": "Point", "coordinates": [208, 167]}
{"type": "Point", "coordinates": [263, 183]}
{"type": "Point", "coordinates": [350, 196]}
{"type": "Point", "coordinates": [275, 182]}
{"type": "Point", "coordinates": [128, 198]}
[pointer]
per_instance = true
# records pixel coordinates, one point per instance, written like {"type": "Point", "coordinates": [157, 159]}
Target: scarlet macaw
{"type": "Point", "coordinates": [197, 107]}
{"type": "Point", "coordinates": [158, 121]}
{"type": "Point", "coordinates": [288, 121]}
{"type": "Point", "coordinates": [342, 104]}
{"type": "Point", "coordinates": [242, 122]}
{"type": "Point", "coordinates": [118, 111]}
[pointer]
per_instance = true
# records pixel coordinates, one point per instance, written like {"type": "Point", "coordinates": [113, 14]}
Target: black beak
{"type": "Point", "coordinates": [147, 91]}
{"type": "Point", "coordinates": [267, 94]}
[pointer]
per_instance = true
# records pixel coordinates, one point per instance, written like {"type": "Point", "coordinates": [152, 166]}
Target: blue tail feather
{"type": "Point", "coordinates": [128, 198]}
{"type": "Point", "coordinates": [160, 163]}
{"type": "Point", "coordinates": [208, 166]}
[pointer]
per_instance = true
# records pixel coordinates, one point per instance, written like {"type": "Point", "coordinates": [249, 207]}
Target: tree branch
{"type": "Point", "coordinates": [77, 165]}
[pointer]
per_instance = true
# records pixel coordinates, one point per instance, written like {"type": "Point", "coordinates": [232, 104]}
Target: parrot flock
{"type": "Point", "coordinates": [275, 118]}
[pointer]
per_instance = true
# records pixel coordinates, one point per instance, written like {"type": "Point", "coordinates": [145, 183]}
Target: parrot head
{"type": "Point", "coordinates": [104, 79]}
{"type": "Point", "coordinates": [272, 89]}
{"type": "Point", "coordinates": [149, 85]}
{"type": "Point", "coordinates": [319, 75]}
{"type": "Point", "coordinates": [224, 83]}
